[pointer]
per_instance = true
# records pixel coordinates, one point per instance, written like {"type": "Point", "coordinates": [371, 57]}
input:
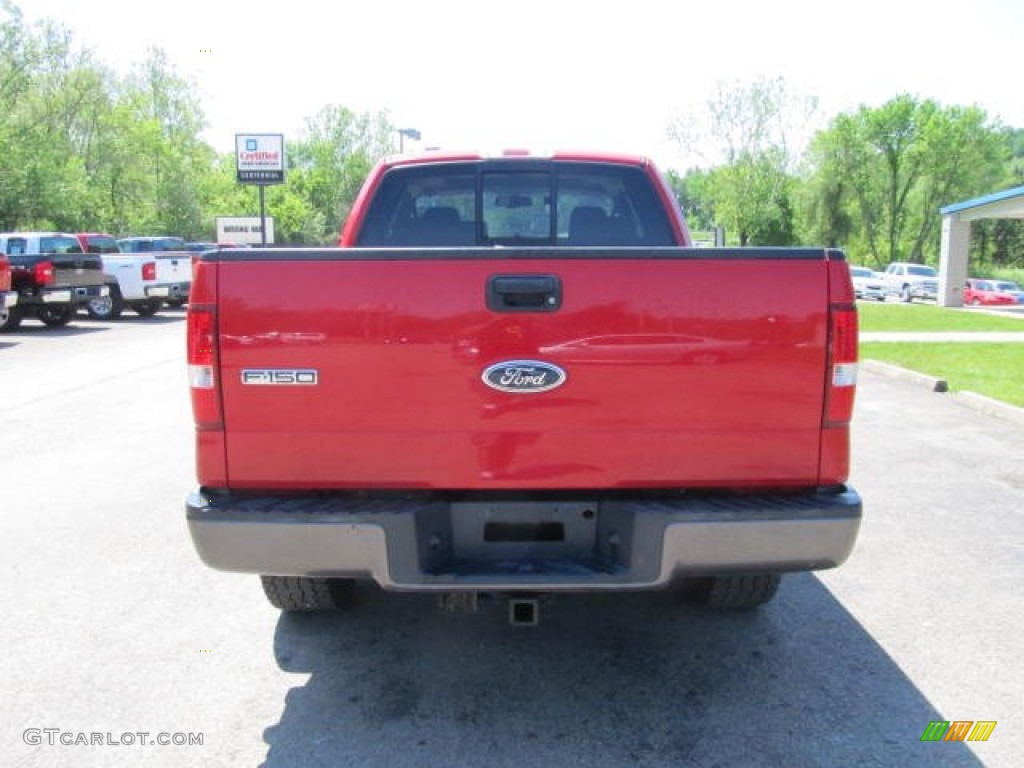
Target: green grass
{"type": "Point", "coordinates": [891, 316]}
{"type": "Point", "coordinates": [993, 370]}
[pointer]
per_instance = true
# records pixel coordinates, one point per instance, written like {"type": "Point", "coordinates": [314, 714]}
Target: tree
{"type": "Point", "coordinates": [82, 149]}
{"type": "Point", "coordinates": [329, 164]}
{"type": "Point", "coordinates": [162, 172]}
{"type": "Point", "coordinates": [45, 86]}
{"type": "Point", "coordinates": [879, 175]}
{"type": "Point", "coordinates": [692, 191]}
{"type": "Point", "coordinates": [751, 199]}
{"type": "Point", "coordinates": [1001, 241]}
{"type": "Point", "coordinates": [749, 129]}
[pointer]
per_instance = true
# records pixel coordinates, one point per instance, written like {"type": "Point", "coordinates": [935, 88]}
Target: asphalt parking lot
{"type": "Point", "coordinates": [113, 627]}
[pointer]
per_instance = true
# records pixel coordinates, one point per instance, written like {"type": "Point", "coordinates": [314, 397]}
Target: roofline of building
{"type": "Point", "coordinates": [977, 202]}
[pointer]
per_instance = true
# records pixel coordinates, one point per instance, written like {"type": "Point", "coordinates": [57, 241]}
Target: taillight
{"type": "Point", "coordinates": [43, 273]}
{"type": "Point", "coordinates": [149, 271]}
{"type": "Point", "coordinates": [842, 346]}
{"type": "Point", "coordinates": [842, 364]}
{"type": "Point", "coordinates": [202, 367]}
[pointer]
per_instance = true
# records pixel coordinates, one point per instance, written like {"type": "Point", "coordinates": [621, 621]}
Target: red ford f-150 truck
{"type": "Point", "coordinates": [515, 376]}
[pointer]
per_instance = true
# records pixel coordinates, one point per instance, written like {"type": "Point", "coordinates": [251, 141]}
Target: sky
{"type": "Point", "coordinates": [554, 74]}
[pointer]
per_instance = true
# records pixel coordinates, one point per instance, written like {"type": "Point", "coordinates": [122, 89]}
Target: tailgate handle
{"type": "Point", "coordinates": [524, 293]}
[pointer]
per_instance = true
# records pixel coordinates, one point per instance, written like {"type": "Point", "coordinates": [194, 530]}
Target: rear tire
{"type": "Point", "coordinates": [305, 594]}
{"type": "Point", "coordinates": [107, 307]}
{"type": "Point", "coordinates": [147, 308]}
{"type": "Point", "coordinates": [735, 592]}
{"type": "Point", "coordinates": [56, 316]}
{"type": "Point", "coordinates": [10, 318]}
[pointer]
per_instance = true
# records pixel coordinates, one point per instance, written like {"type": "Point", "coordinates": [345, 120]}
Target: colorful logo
{"type": "Point", "coordinates": [958, 730]}
{"type": "Point", "coordinates": [251, 145]}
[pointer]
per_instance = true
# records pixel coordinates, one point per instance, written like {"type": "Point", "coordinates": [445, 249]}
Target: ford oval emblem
{"type": "Point", "coordinates": [523, 377]}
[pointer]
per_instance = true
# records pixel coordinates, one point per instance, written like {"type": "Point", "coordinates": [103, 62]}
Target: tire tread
{"type": "Point", "coordinates": [735, 592]}
{"type": "Point", "coordinates": [12, 319]}
{"type": "Point", "coordinates": [307, 594]}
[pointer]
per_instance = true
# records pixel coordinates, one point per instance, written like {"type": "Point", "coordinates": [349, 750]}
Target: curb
{"type": "Point", "coordinates": [972, 400]}
{"type": "Point", "coordinates": [895, 372]}
{"type": "Point", "coordinates": [991, 407]}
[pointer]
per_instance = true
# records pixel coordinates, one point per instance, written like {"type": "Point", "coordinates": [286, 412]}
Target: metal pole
{"type": "Point", "coordinates": [263, 218]}
{"type": "Point", "coordinates": [412, 133]}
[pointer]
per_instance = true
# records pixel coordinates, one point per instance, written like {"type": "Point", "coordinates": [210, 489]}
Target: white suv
{"type": "Point", "coordinates": [911, 281]}
{"type": "Point", "coordinates": [867, 284]}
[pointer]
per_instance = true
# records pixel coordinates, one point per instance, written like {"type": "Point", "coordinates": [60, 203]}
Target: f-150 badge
{"type": "Point", "coordinates": [280, 377]}
{"type": "Point", "coordinates": [523, 377]}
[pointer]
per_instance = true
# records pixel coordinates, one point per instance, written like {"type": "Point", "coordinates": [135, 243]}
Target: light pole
{"type": "Point", "coordinates": [411, 133]}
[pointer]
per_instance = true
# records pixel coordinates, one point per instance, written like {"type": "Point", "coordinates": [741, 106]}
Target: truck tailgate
{"type": "Point", "coordinates": [76, 270]}
{"type": "Point", "coordinates": [173, 267]}
{"type": "Point", "coordinates": [679, 372]}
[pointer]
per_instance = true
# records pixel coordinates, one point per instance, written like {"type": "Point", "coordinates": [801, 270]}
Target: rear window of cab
{"type": "Point", "coordinates": [529, 204]}
{"type": "Point", "coordinates": [102, 245]}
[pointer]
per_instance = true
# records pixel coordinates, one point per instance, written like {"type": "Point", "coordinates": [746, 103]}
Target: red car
{"type": "Point", "coordinates": [986, 292]}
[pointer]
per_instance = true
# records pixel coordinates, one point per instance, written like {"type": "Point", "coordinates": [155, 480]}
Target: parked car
{"type": "Point", "coordinates": [1010, 287]}
{"type": "Point", "coordinates": [156, 244]}
{"type": "Point", "coordinates": [911, 281]}
{"type": "Point", "coordinates": [98, 242]}
{"type": "Point", "coordinates": [51, 276]}
{"type": "Point", "coordinates": [141, 281]}
{"type": "Point", "coordinates": [979, 292]}
{"type": "Point", "coordinates": [173, 262]}
{"type": "Point", "coordinates": [867, 284]}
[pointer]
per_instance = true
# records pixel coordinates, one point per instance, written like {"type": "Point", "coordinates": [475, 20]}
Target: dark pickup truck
{"type": "Point", "coordinates": [51, 277]}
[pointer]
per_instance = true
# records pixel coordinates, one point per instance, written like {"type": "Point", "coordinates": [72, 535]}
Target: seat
{"type": "Point", "coordinates": [442, 225]}
{"type": "Point", "coordinates": [442, 216]}
{"type": "Point", "coordinates": [588, 225]}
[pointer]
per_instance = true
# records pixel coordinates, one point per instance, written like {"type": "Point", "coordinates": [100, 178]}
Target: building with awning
{"type": "Point", "coordinates": [956, 237]}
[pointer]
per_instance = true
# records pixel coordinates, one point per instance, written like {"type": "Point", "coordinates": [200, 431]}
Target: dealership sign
{"type": "Point", "coordinates": [260, 158]}
{"type": "Point", "coordinates": [246, 230]}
